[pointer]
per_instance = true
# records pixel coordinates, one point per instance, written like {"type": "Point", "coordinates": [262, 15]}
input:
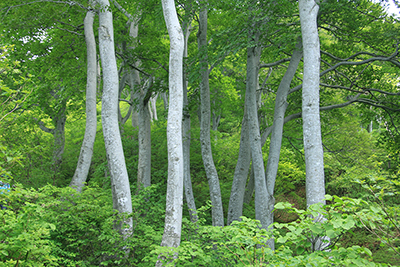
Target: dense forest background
{"type": "Point", "coordinates": [58, 214]}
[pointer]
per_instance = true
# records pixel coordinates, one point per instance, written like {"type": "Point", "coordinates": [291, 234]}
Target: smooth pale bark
{"type": "Point", "coordinates": [153, 107]}
{"type": "Point", "coordinates": [109, 113]}
{"type": "Point", "coordinates": [173, 214]}
{"type": "Point", "coordinates": [315, 182]}
{"type": "Point", "coordinates": [85, 156]}
{"type": "Point", "coordinates": [235, 209]}
{"type": "Point", "coordinates": [187, 181]}
{"type": "Point", "coordinates": [313, 151]}
{"type": "Point", "coordinates": [277, 127]}
{"type": "Point", "coordinates": [261, 194]}
{"type": "Point", "coordinates": [206, 152]}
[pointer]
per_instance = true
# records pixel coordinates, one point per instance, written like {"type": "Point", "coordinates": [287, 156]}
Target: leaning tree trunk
{"type": "Point", "coordinates": [85, 157]}
{"type": "Point", "coordinates": [109, 112]}
{"type": "Point", "coordinates": [277, 127]}
{"type": "Point", "coordinates": [173, 215]}
{"type": "Point", "coordinates": [313, 151]}
{"type": "Point", "coordinates": [206, 152]}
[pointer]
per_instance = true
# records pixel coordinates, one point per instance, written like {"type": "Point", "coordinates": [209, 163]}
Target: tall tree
{"type": "Point", "coordinates": [173, 215]}
{"type": "Point", "coordinates": [205, 110]}
{"type": "Point", "coordinates": [313, 151]}
{"type": "Point", "coordinates": [187, 27]}
{"type": "Point", "coordinates": [109, 111]}
{"type": "Point", "coordinates": [85, 156]}
{"type": "Point", "coordinates": [253, 59]}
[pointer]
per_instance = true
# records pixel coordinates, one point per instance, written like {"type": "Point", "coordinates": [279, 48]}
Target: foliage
{"type": "Point", "coordinates": [243, 242]}
{"type": "Point", "coordinates": [25, 233]}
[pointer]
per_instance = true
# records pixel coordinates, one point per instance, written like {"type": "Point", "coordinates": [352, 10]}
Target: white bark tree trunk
{"type": "Point", "coordinates": [277, 127]}
{"type": "Point", "coordinates": [173, 215]}
{"type": "Point", "coordinates": [109, 112]}
{"type": "Point", "coordinates": [261, 193]}
{"type": "Point", "coordinates": [205, 141]}
{"type": "Point", "coordinates": [313, 151]}
{"type": "Point", "coordinates": [315, 183]}
{"type": "Point", "coordinates": [85, 156]}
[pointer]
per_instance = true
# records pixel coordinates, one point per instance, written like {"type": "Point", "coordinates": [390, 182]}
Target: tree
{"type": "Point", "coordinates": [314, 155]}
{"type": "Point", "coordinates": [85, 156]}
{"type": "Point", "coordinates": [173, 215]}
{"type": "Point", "coordinates": [122, 201]}
{"type": "Point", "coordinates": [206, 152]}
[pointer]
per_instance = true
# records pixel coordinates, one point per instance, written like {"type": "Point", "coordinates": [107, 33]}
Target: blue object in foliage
{"type": "Point", "coordinates": [4, 189]}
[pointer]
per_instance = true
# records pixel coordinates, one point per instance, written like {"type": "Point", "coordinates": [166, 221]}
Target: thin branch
{"type": "Point", "coordinates": [268, 65]}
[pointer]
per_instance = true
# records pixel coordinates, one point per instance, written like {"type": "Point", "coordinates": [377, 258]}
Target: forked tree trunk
{"type": "Point", "coordinates": [261, 193]}
{"type": "Point", "coordinates": [277, 127]}
{"type": "Point", "coordinates": [205, 141]}
{"type": "Point", "coordinates": [85, 156]}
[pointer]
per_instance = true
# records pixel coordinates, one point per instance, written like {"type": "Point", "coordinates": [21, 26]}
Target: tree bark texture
{"type": "Point", "coordinates": [261, 193]}
{"type": "Point", "coordinates": [85, 156]}
{"type": "Point", "coordinates": [205, 141]}
{"type": "Point", "coordinates": [315, 183]}
{"type": "Point", "coordinates": [173, 215]}
{"type": "Point", "coordinates": [277, 127]}
{"type": "Point", "coordinates": [109, 112]}
{"type": "Point", "coordinates": [186, 129]}
{"type": "Point", "coordinates": [313, 151]}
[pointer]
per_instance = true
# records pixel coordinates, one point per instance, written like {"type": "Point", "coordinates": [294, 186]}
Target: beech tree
{"type": "Point", "coordinates": [173, 215]}
{"type": "Point", "coordinates": [211, 171]}
{"type": "Point", "coordinates": [85, 156]}
{"type": "Point", "coordinates": [109, 112]}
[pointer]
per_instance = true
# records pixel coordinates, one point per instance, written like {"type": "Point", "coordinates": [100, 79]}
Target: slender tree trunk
{"type": "Point", "coordinates": [186, 127]}
{"type": "Point", "coordinates": [313, 151]}
{"type": "Point", "coordinates": [235, 209]}
{"type": "Point", "coordinates": [144, 162]}
{"type": "Point", "coordinates": [109, 112]}
{"type": "Point", "coordinates": [173, 215]}
{"type": "Point", "coordinates": [277, 127]}
{"type": "Point", "coordinates": [315, 182]}
{"type": "Point", "coordinates": [85, 156]}
{"type": "Point", "coordinates": [261, 193]}
{"type": "Point", "coordinates": [211, 171]}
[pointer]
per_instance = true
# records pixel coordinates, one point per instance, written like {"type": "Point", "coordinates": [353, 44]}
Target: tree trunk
{"type": "Point", "coordinates": [85, 156]}
{"type": "Point", "coordinates": [261, 193]}
{"type": "Point", "coordinates": [144, 162]}
{"type": "Point", "coordinates": [109, 112]}
{"type": "Point", "coordinates": [211, 171]}
{"type": "Point", "coordinates": [173, 215]}
{"type": "Point", "coordinates": [277, 127]}
{"type": "Point", "coordinates": [313, 151]}
{"type": "Point", "coordinates": [235, 209]}
{"type": "Point", "coordinates": [186, 128]}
